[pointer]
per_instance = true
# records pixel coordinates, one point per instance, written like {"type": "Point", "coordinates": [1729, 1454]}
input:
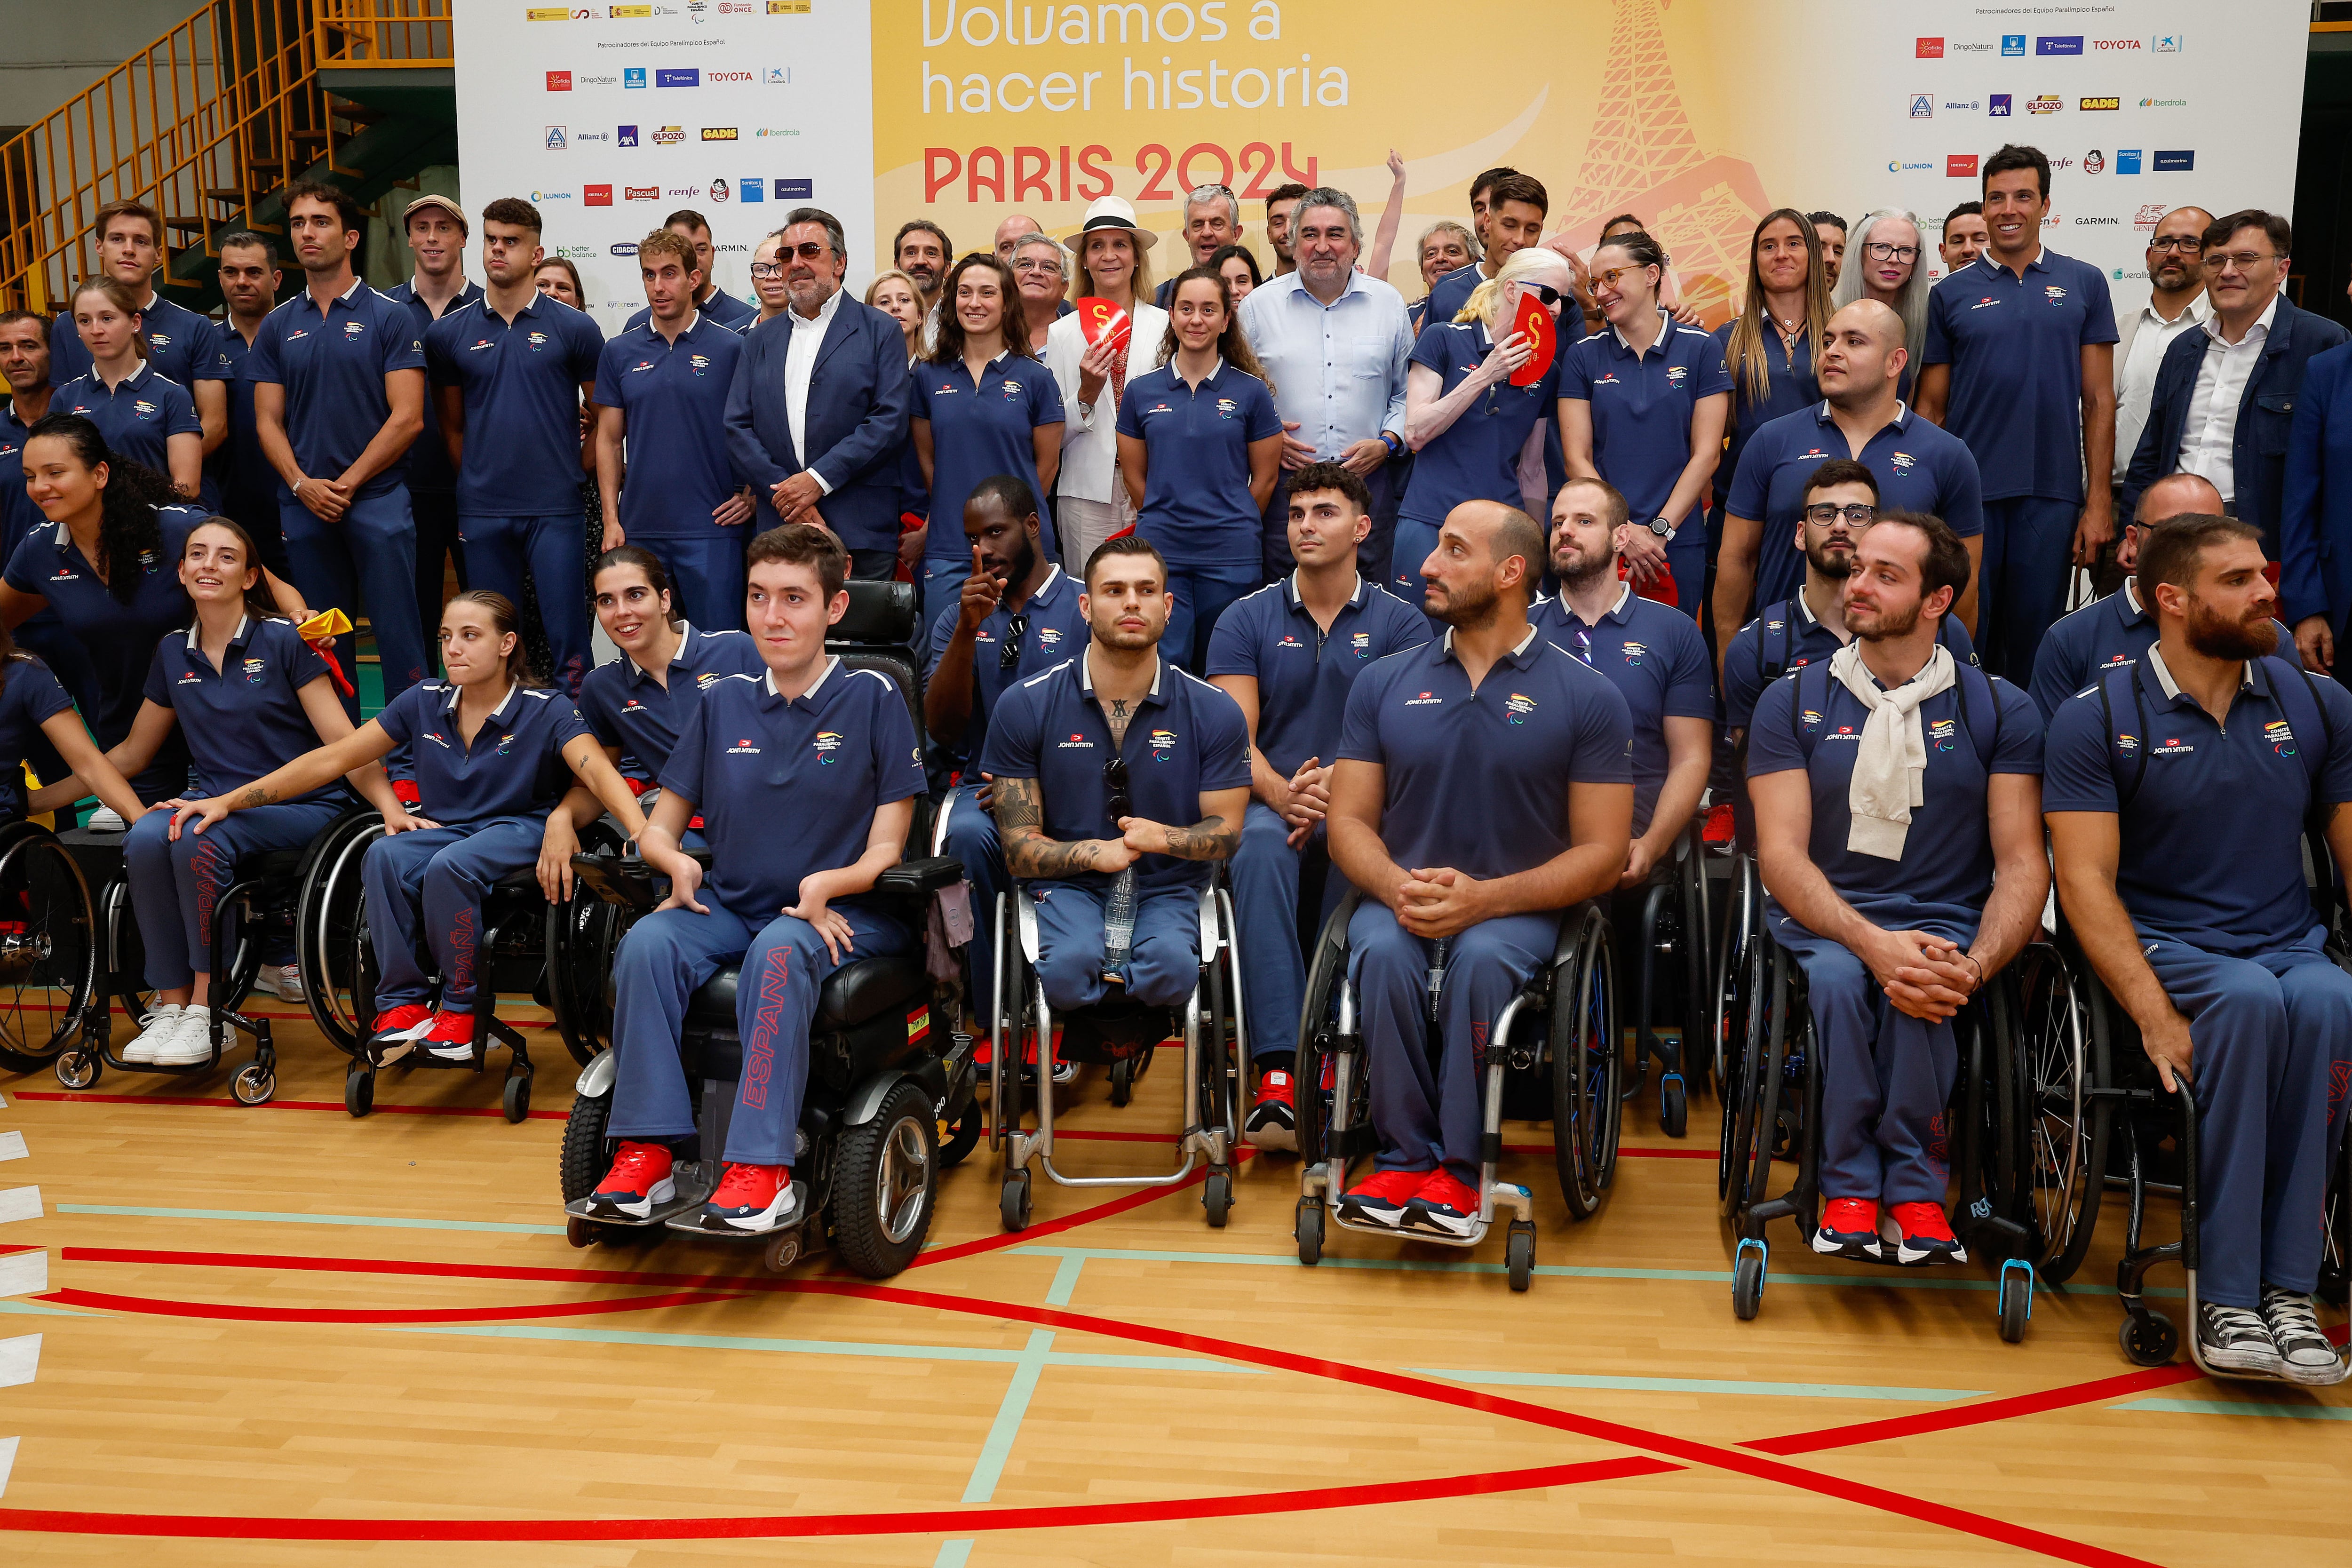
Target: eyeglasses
{"type": "Point", "coordinates": [807, 249]}
{"type": "Point", "coordinates": [1880, 250]}
{"type": "Point", "coordinates": [767, 269]}
{"type": "Point", "coordinates": [1856, 514]}
{"type": "Point", "coordinates": [2174, 242]}
{"type": "Point", "coordinates": [1609, 279]}
{"type": "Point", "coordinates": [1008, 653]}
{"type": "Point", "coordinates": [1115, 780]}
{"type": "Point", "coordinates": [1584, 644]}
{"type": "Point", "coordinates": [2243, 260]}
{"type": "Point", "coordinates": [1038, 264]}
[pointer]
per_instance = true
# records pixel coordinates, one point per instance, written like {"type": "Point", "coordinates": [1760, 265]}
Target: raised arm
{"type": "Point", "coordinates": [1376, 259]}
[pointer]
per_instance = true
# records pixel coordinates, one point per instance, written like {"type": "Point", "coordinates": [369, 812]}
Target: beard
{"type": "Point", "coordinates": [1885, 624]}
{"type": "Point", "coordinates": [1468, 606]}
{"type": "Point", "coordinates": [1024, 562]}
{"type": "Point", "coordinates": [1837, 568]}
{"type": "Point", "coordinates": [2218, 637]}
{"type": "Point", "coordinates": [1583, 573]}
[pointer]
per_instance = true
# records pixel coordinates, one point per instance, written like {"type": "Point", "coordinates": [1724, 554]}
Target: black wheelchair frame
{"type": "Point", "coordinates": [52, 982]}
{"type": "Point", "coordinates": [1673, 920]}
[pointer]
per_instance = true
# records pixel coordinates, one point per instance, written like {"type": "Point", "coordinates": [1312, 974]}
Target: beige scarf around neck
{"type": "Point", "coordinates": [1890, 766]}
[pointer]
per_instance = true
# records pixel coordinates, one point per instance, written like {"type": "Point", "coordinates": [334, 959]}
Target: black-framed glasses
{"type": "Point", "coordinates": [1544, 291]}
{"type": "Point", "coordinates": [767, 269]}
{"type": "Point", "coordinates": [1583, 636]}
{"type": "Point", "coordinates": [1853, 512]}
{"type": "Point", "coordinates": [2176, 242]}
{"type": "Point", "coordinates": [1115, 780]}
{"type": "Point", "coordinates": [1008, 653]}
{"type": "Point", "coordinates": [1880, 250]}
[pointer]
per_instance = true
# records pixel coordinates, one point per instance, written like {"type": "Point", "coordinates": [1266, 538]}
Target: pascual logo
{"type": "Point", "coordinates": [640, 194]}
{"type": "Point", "coordinates": [669, 136]}
{"type": "Point", "coordinates": [718, 133]}
{"type": "Point", "coordinates": [1928, 49]}
{"type": "Point", "coordinates": [2044, 105]}
{"type": "Point", "coordinates": [2099, 103]}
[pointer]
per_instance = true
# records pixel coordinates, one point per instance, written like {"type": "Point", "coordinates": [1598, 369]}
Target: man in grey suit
{"type": "Point", "coordinates": [816, 416]}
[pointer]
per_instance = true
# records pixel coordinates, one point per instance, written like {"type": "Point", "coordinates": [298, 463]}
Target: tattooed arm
{"type": "Point", "coordinates": [1030, 855]}
{"type": "Point", "coordinates": [1213, 837]}
{"type": "Point", "coordinates": [310, 771]}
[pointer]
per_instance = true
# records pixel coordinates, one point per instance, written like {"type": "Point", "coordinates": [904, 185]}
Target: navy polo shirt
{"type": "Point", "coordinates": [1656, 659]}
{"type": "Point", "coordinates": [19, 515]}
{"type": "Point", "coordinates": [721, 308]}
{"type": "Point", "coordinates": [1945, 870]}
{"type": "Point", "coordinates": [1918, 469]}
{"type": "Point", "coordinates": [2211, 844]}
{"type": "Point", "coordinates": [1303, 673]}
{"type": "Point", "coordinates": [1451, 293]}
{"type": "Point", "coordinates": [1187, 738]}
{"type": "Point", "coordinates": [244, 719]}
{"type": "Point", "coordinates": [673, 396]}
{"type": "Point", "coordinates": [513, 767]}
{"type": "Point", "coordinates": [248, 484]}
{"type": "Point", "coordinates": [521, 384]}
{"type": "Point", "coordinates": [121, 638]}
{"type": "Point", "coordinates": [1478, 780]}
{"type": "Point", "coordinates": [1476, 457]}
{"type": "Point", "coordinates": [2015, 346]}
{"type": "Point", "coordinates": [1641, 411]}
{"type": "Point", "coordinates": [1053, 631]}
{"type": "Point", "coordinates": [1798, 639]}
{"type": "Point", "coordinates": [981, 430]}
{"type": "Point", "coordinates": [1789, 388]}
{"type": "Point", "coordinates": [138, 417]}
{"type": "Point", "coordinates": [332, 367]}
{"type": "Point", "coordinates": [629, 710]}
{"type": "Point", "coordinates": [29, 697]}
{"type": "Point", "coordinates": [749, 758]}
{"type": "Point", "coordinates": [428, 459]}
{"type": "Point", "coordinates": [1197, 505]}
{"type": "Point", "coordinates": [181, 345]}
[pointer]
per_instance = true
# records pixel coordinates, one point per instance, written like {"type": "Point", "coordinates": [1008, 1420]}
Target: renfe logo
{"type": "Point", "coordinates": [1930, 49]}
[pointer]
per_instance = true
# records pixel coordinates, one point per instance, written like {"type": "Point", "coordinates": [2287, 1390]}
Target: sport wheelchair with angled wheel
{"type": "Point", "coordinates": [1664, 924]}
{"type": "Point", "coordinates": [1559, 1032]}
{"type": "Point", "coordinates": [52, 989]}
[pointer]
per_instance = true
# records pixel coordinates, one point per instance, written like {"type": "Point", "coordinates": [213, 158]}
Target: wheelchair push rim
{"type": "Point", "coordinates": [49, 948]}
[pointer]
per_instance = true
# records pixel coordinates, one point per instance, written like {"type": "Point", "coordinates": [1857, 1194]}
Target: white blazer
{"type": "Point", "coordinates": [1090, 446]}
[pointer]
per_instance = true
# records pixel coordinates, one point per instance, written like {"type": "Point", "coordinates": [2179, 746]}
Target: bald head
{"type": "Point", "coordinates": [1873, 318]}
{"type": "Point", "coordinates": [1486, 553]}
{"type": "Point", "coordinates": [1861, 356]}
{"type": "Point", "coordinates": [1009, 233]}
{"type": "Point", "coordinates": [2178, 495]}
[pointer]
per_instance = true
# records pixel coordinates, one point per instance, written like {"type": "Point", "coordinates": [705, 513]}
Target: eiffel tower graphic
{"type": "Point", "coordinates": [1642, 157]}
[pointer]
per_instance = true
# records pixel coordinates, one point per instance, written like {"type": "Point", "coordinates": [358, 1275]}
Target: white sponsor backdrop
{"type": "Point", "coordinates": [610, 116]}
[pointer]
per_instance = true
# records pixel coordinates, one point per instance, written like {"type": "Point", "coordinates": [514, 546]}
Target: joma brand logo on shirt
{"type": "Point", "coordinates": [744, 748]}
{"type": "Point", "coordinates": [1426, 700]}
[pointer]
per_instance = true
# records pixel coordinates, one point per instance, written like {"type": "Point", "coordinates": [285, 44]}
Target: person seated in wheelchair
{"type": "Point", "coordinates": [1019, 614]}
{"type": "Point", "coordinates": [1652, 653]}
{"type": "Point", "coordinates": [1482, 786]}
{"type": "Point", "coordinates": [1898, 801]}
{"type": "Point", "coordinates": [2180, 789]}
{"type": "Point", "coordinates": [835, 749]}
{"type": "Point", "coordinates": [1288, 655]}
{"type": "Point", "coordinates": [1118, 761]}
{"type": "Point", "coordinates": [246, 696]}
{"type": "Point", "coordinates": [637, 704]}
{"type": "Point", "coordinates": [1808, 627]}
{"type": "Point", "coordinates": [496, 755]}
{"type": "Point", "coordinates": [2118, 628]}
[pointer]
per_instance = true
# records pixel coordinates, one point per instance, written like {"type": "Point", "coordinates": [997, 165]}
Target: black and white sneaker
{"type": "Point", "coordinates": [2232, 1339]}
{"type": "Point", "coordinates": [2305, 1354]}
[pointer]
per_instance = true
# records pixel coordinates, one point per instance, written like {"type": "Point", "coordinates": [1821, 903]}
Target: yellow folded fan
{"type": "Point", "coordinates": [320, 632]}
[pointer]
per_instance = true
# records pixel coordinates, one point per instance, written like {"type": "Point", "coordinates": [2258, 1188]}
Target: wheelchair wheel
{"type": "Point", "coordinates": [2336, 1236]}
{"type": "Point", "coordinates": [886, 1178]}
{"type": "Point", "coordinates": [1318, 1045]}
{"type": "Point", "coordinates": [1785, 1032]}
{"type": "Point", "coordinates": [1747, 1014]}
{"type": "Point", "coordinates": [1307, 1229]}
{"type": "Point", "coordinates": [959, 1139]}
{"type": "Point", "coordinates": [582, 1158]}
{"type": "Point", "coordinates": [1586, 1062]}
{"type": "Point", "coordinates": [2148, 1339]}
{"type": "Point", "coordinates": [1741, 921]}
{"type": "Point", "coordinates": [359, 1090]}
{"type": "Point", "coordinates": [583, 933]}
{"type": "Point", "coordinates": [2066, 1128]}
{"type": "Point", "coordinates": [48, 949]}
{"type": "Point", "coordinates": [330, 938]}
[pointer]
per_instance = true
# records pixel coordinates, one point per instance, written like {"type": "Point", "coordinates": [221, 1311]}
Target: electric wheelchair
{"type": "Point", "coordinates": [1664, 925]}
{"type": "Point", "coordinates": [1772, 1096]}
{"type": "Point", "coordinates": [889, 1101]}
{"type": "Point", "coordinates": [1554, 1049]}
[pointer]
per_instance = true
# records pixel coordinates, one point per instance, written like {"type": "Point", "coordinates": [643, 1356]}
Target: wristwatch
{"type": "Point", "coordinates": [1662, 528]}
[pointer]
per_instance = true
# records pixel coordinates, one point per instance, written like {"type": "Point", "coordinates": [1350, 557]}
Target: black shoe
{"type": "Point", "coordinates": [2232, 1339]}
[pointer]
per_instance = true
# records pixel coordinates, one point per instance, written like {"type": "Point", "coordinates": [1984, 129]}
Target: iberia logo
{"type": "Point", "coordinates": [1162, 742]}
{"type": "Point", "coordinates": [827, 742]}
{"type": "Point", "coordinates": [1516, 708]}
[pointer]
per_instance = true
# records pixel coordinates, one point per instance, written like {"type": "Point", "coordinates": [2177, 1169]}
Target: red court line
{"type": "Point", "coordinates": [1118, 1205]}
{"type": "Point", "coordinates": [286, 1104]}
{"type": "Point", "coordinates": [936, 1521]}
{"type": "Point", "coordinates": [2015, 1405]}
{"type": "Point", "coordinates": [157, 1306]}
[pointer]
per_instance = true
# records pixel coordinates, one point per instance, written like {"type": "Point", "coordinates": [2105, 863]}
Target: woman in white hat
{"type": "Point", "coordinates": [1113, 266]}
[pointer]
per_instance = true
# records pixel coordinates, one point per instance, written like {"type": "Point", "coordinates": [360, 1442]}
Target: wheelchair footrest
{"type": "Point", "coordinates": [691, 1194]}
{"type": "Point", "coordinates": [696, 1223]}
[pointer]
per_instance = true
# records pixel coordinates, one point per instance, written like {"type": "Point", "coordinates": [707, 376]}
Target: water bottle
{"type": "Point", "coordinates": [1119, 925]}
{"type": "Point", "coordinates": [1435, 979]}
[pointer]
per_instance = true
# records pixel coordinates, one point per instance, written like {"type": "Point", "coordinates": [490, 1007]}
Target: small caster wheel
{"type": "Point", "coordinates": [254, 1085]}
{"type": "Point", "coordinates": [516, 1097]}
{"type": "Point", "coordinates": [78, 1067]}
{"type": "Point", "coordinates": [1122, 1080]}
{"type": "Point", "coordinates": [1308, 1228]}
{"type": "Point", "coordinates": [359, 1090]}
{"type": "Point", "coordinates": [781, 1253]}
{"type": "Point", "coordinates": [1747, 1282]}
{"type": "Point", "coordinates": [1013, 1205]}
{"type": "Point", "coordinates": [960, 1137]}
{"type": "Point", "coordinates": [1520, 1254]}
{"type": "Point", "coordinates": [1217, 1198]}
{"type": "Point", "coordinates": [2149, 1338]}
{"type": "Point", "coordinates": [582, 1232]}
{"type": "Point", "coordinates": [2016, 1300]}
{"type": "Point", "coordinates": [1673, 1107]}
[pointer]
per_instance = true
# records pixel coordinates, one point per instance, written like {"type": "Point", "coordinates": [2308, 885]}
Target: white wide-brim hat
{"type": "Point", "coordinates": [1111, 212]}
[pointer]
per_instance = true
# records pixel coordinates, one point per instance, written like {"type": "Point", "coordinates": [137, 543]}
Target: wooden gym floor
{"type": "Point", "coordinates": [233, 1336]}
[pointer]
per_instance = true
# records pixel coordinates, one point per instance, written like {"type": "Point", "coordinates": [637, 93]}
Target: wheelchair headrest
{"type": "Point", "coordinates": [879, 613]}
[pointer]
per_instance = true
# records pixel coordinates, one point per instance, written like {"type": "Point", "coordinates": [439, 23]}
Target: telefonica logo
{"type": "Point", "coordinates": [2068, 44]}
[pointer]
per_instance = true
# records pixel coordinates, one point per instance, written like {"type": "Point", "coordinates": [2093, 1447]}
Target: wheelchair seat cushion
{"type": "Point", "coordinates": [271, 865]}
{"type": "Point", "coordinates": [860, 990]}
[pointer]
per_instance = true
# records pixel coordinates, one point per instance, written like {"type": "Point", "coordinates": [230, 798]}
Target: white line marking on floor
{"type": "Point", "coordinates": [25, 1273]}
{"type": "Point", "coordinates": [20, 1202]}
{"type": "Point", "coordinates": [20, 1357]}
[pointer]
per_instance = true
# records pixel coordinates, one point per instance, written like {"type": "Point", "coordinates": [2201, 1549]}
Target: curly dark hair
{"type": "Point", "coordinates": [127, 525]}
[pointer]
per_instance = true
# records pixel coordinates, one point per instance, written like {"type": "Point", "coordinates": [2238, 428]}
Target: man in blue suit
{"type": "Point", "coordinates": [817, 413]}
{"type": "Point", "coordinates": [2225, 394]}
{"type": "Point", "coordinates": [2316, 525]}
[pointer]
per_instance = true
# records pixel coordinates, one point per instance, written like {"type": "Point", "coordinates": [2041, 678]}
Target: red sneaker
{"type": "Point", "coordinates": [451, 1037]}
{"type": "Point", "coordinates": [1849, 1229]}
{"type": "Point", "coordinates": [1926, 1236]}
{"type": "Point", "coordinates": [639, 1179]}
{"type": "Point", "coordinates": [396, 1023]}
{"type": "Point", "coordinates": [1444, 1203]}
{"type": "Point", "coordinates": [755, 1198]}
{"type": "Point", "coordinates": [1272, 1122]}
{"type": "Point", "coordinates": [1380, 1198]}
{"type": "Point", "coordinates": [1719, 827]}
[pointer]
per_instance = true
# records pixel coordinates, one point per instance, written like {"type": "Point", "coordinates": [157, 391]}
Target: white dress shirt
{"type": "Point", "coordinates": [2207, 434]}
{"type": "Point", "coordinates": [800, 364]}
{"type": "Point", "coordinates": [1338, 370]}
{"type": "Point", "coordinates": [2138, 358]}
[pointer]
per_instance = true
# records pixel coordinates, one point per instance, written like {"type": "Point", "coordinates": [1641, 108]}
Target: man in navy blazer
{"type": "Point", "coordinates": [818, 415]}
{"type": "Point", "coordinates": [2225, 394]}
{"type": "Point", "coordinates": [2315, 527]}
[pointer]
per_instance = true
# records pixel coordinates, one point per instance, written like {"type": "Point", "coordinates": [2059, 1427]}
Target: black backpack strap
{"type": "Point", "coordinates": [2129, 788]}
{"type": "Point", "coordinates": [1773, 663]}
{"type": "Point", "coordinates": [1979, 711]}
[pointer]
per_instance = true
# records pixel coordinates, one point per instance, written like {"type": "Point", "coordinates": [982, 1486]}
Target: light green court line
{"type": "Point", "coordinates": [1699, 1385]}
{"type": "Point", "coordinates": [816, 1347]}
{"type": "Point", "coordinates": [2233, 1407]}
{"type": "Point", "coordinates": [993, 1453]}
{"type": "Point", "coordinates": [38, 1309]}
{"type": "Point", "coordinates": [261, 1216]}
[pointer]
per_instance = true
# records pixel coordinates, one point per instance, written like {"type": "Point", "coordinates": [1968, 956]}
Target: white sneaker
{"type": "Point", "coordinates": [155, 1029]}
{"type": "Point", "coordinates": [283, 981]}
{"type": "Point", "coordinates": [191, 1041]}
{"type": "Point", "coordinates": [106, 819]}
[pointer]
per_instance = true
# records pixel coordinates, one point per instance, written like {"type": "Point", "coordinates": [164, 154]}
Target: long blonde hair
{"type": "Point", "coordinates": [1486, 302]}
{"type": "Point", "coordinates": [1744, 354]}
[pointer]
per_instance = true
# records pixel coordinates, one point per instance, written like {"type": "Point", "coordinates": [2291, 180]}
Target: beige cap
{"type": "Point", "coordinates": [442, 203]}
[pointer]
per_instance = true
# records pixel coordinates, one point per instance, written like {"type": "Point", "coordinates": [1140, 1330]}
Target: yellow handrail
{"type": "Point", "coordinates": [381, 34]}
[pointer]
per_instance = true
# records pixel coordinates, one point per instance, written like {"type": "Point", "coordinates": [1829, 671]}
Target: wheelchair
{"type": "Point", "coordinates": [52, 987]}
{"type": "Point", "coordinates": [1668, 918]}
{"type": "Point", "coordinates": [1772, 1114]}
{"type": "Point", "coordinates": [1556, 1041]}
{"type": "Point", "coordinates": [260, 908]}
{"type": "Point", "coordinates": [1123, 1033]}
